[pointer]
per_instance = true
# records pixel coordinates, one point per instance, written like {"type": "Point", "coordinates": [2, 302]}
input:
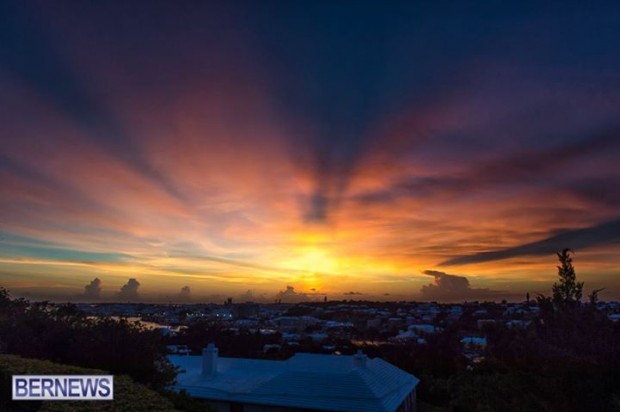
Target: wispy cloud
{"type": "Point", "coordinates": [607, 233]}
{"type": "Point", "coordinates": [338, 152]}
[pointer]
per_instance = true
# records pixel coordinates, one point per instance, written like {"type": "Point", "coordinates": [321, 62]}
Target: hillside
{"type": "Point", "coordinates": [128, 395]}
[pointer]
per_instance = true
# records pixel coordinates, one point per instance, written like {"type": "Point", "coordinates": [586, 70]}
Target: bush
{"type": "Point", "coordinates": [128, 395]}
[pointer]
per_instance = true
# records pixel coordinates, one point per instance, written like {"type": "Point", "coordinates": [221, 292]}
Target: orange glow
{"type": "Point", "coordinates": [188, 168]}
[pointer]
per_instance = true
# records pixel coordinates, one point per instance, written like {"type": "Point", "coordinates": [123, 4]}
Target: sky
{"type": "Point", "coordinates": [262, 150]}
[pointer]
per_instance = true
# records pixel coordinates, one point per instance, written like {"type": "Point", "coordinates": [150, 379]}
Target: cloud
{"type": "Point", "coordinates": [185, 294]}
{"type": "Point", "coordinates": [247, 296]}
{"type": "Point", "coordinates": [93, 289]}
{"type": "Point", "coordinates": [448, 287]}
{"type": "Point", "coordinates": [472, 161]}
{"type": "Point", "coordinates": [351, 293]}
{"type": "Point", "coordinates": [334, 122]}
{"type": "Point", "coordinates": [596, 191]}
{"type": "Point", "coordinates": [515, 169]}
{"type": "Point", "coordinates": [604, 233]}
{"type": "Point", "coordinates": [129, 291]}
{"type": "Point", "coordinates": [27, 47]}
{"type": "Point", "coordinates": [252, 296]}
{"type": "Point", "coordinates": [290, 296]}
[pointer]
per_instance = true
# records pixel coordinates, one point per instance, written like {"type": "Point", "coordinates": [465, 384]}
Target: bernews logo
{"type": "Point", "coordinates": [63, 387]}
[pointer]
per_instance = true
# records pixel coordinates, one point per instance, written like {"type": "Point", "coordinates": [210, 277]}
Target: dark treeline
{"type": "Point", "coordinates": [567, 359]}
{"type": "Point", "coordinates": [63, 334]}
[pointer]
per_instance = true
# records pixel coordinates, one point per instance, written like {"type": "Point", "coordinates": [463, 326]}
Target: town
{"type": "Point", "coordinates": [331, 327]}
{"type": "Point", "coordinates": [361, 355]}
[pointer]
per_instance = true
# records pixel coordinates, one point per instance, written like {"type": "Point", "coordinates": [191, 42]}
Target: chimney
{"type": "Point", "coordinates": [359, 359]}
{"type": "Point", "coordinates": [209, 360]}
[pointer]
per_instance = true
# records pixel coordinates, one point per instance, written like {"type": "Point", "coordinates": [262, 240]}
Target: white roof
{"type": "Point", "coordinates": [311, 381]}
{"type": "Point", "coordinates": [423, 327]}
{"type": "Point", "coordinates": [407, 335]}
{"type": "Point", "coordinates": [474, 340]}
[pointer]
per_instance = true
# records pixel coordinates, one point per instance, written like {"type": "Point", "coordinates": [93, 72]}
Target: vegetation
{"type": "Point", "coordinates": [567, 359]}
{"type": "Point", "coordinates": [128, 395]}
{"type": "Point", "coordinates": [567, 291]}
{"type": "Point", "coordinates": [66, 335]}
{"type": "Point", "coordinates": [74, 343]}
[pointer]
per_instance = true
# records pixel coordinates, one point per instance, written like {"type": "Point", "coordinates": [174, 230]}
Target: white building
{"type": "Point", "coordinates": [424, 328]}
{"type": "Point", "coordinates": [296, 323]}
{"type": "Point", "coordinates": [474, 342]}
{"type": "Point", "coordinates": [305, 382]}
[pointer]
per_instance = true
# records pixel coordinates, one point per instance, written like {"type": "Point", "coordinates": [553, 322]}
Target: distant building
{"type": "Point", "coordinates": [395, 322]}
{"type": "Point", "coordinates": [373, 323]}
{"type": "Point", "coordinates": [179, 349]}
{"type": "Point", "coordinates": [248, 310]}
{"type": "Point", "coordinates": [474, 342]}
{"type": "Point", "coordinates": [306, 382]}
{"type": "Point", "coordinates": [296, 323]}
{"type": "Point", "coordinates": [224, 313]}
{"type": "Point", "coordinates": [403, 337]}
{"type": "Point", "coordinates": [424, 328]}
{"type": "Point", "coordinates": [485, 322]}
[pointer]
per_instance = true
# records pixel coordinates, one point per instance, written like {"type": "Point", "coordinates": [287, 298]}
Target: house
{"type": "Point", "coordinates": [178, 349]}
{"type": "Point", "coordinates": [305, 382]}
{"type": "Point", "coordinates": [614, 317]}
{"type": "Point", "coordinates": [474, 342]}
{"type": "Point", "coordinates": [296, 323]}
{"type": "Point", "coordinates": [424, 328]}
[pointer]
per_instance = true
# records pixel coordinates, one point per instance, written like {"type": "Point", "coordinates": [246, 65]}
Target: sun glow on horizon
{"type": "Point", "coordinates": [264, 155]}
{"type": "Point", "coordinates": [314, 265]}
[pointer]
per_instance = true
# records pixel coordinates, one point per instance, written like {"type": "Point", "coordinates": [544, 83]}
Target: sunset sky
{"type": "Point", "coordinates": [359, 150]}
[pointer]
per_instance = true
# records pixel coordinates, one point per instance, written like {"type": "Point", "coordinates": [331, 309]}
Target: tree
{"type": "Point", "coordinates": [62, 333]}
{"type": "Point", "coordinates": [593, 297]}
{"type": "Point", "coordinates": [567, 292]}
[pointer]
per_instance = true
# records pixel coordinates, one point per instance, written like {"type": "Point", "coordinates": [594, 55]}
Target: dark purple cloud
{"type": "Point", "coordinates": [93, 289]}
{"type": "Point", "coordinates": [448, 287]}
{"type": "Point", "coordinates": [29, 53]}
{"type": "Point", "coordinates": [185, 294]}
{"type": "Point", "coordinates": [607, 233]}
{"type": "Point", "coordinates": [556, 163]}
{"type": "Point", "coordinates": [289, 295]}
{"type": "Point", "coordinates": [341, 83]}
{"type": "Point", "coordinates": [129, 291]}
